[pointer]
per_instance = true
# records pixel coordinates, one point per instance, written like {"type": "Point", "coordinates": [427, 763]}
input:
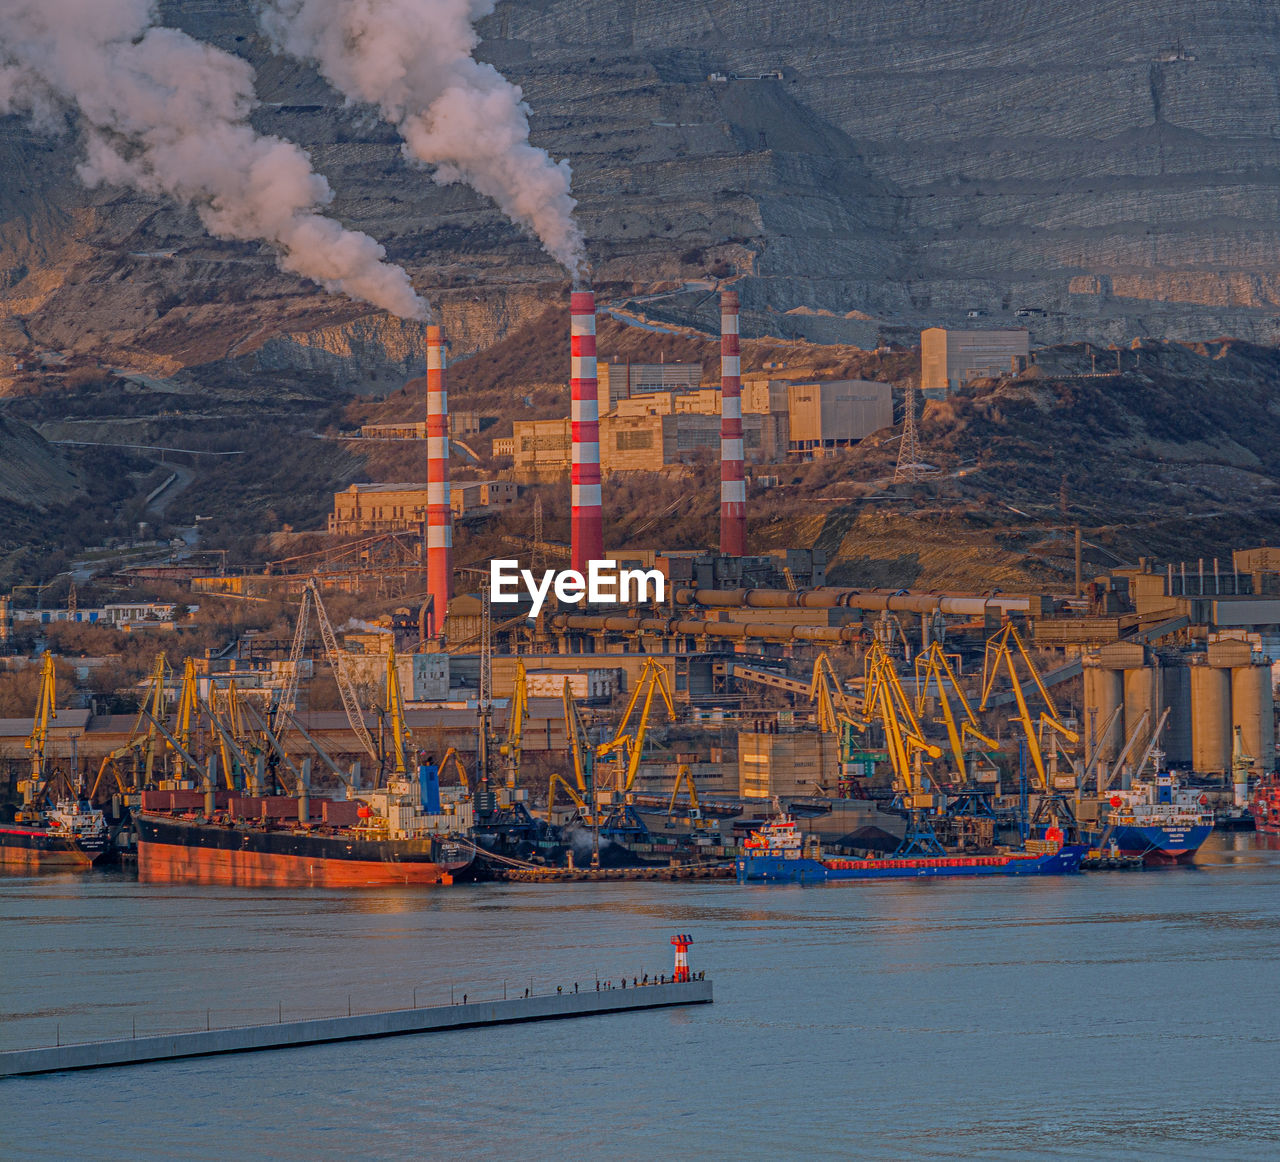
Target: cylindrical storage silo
{"type": "Point", "coordinates": [1210, 719]}
{"type": "Point", "coordinates": [1175, 695]}
{"type": "Point", "coordinates": [1139, 699]}
{"type": "Point", "coordinates": [1103, 692]}
{"type": "Point", "coordinates": [1253, 710]}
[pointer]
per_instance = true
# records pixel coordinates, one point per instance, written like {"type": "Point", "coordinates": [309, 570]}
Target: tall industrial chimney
{"type": "Point", "coordinates": [587, 525]}
{"type": "Point", "coordinates": [733, 488]}
{"type": "Point", "coordinates": [439, 510]}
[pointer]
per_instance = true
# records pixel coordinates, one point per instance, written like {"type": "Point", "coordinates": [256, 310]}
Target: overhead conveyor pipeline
{"type": "Point", "coordinates": [739, 631]}
{"type": "Point", "coordinates": [870, 599]}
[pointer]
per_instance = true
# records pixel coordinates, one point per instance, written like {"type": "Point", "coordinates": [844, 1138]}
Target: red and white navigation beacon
{"type": "Point", "coordinates": [682, 958]}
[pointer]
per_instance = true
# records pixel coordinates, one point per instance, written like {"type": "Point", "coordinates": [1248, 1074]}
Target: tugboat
{"type": "Point", "coordinates": [70, 834]}
{"type": "Point", "coordinates": [775, 854]}
{"type": "Point", "coordinates": [1264, 806]}
{"type": "Point", "coordinates": [1159, 820]}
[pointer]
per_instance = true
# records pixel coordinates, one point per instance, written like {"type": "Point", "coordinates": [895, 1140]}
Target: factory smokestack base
{"type": "Point", "coordinates": [439, 511]}
{"type": "Point", "coordinates": [587, 524]}
{"type": "Point", "coordinates": [733, 488]}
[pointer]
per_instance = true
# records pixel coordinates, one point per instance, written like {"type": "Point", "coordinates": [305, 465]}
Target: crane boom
{"type": "Point", "coordinates": [338, 661]}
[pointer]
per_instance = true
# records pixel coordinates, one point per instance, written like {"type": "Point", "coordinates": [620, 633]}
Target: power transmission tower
{"type": "Point", "coordinates": [909, 466]}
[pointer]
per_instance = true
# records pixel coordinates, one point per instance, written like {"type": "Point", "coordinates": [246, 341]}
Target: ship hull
{"type": "Point", "coordinates": [1161, 845]}
{"type": "Point", "coordinates": [172, 850]}
{"type": "Point", "coordinates": [33, 849]}
{"type": "Point", "coordinates": [779, 869]}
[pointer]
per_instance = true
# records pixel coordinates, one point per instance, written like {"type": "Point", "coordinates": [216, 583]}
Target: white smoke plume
{"type": "Point", "coordinates": [412, 59]}
{"type": "Point", "coordinates": [168, 114]}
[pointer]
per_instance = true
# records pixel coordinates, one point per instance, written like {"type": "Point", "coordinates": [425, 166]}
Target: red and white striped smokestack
{"type": "Point", "coordinates": [587, 526]}
{"type": "Point", "coordinates": [733, 488]}
{"type": "Point", "coordinates": [439, 510]}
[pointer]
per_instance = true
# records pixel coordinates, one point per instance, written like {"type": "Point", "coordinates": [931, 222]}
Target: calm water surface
{"type": "Point", "coordinates": [1114, 1015]}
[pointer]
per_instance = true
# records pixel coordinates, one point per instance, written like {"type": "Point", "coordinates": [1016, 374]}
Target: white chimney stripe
{"type": "Point", "coordinates": [732, 491]}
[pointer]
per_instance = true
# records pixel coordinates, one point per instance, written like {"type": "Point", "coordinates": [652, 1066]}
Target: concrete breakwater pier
{"type": "Point", "coordinates": [393, 1023]}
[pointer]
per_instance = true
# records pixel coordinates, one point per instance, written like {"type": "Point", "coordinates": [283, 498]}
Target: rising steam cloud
{"type": "Point", "coordinates": [167, 114]}
{"type": "Point", "coordinates": [412, 59]}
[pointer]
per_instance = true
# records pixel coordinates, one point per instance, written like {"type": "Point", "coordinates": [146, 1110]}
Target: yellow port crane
{"type": "Point", "coordinates": [34, 785]}
{"type": "Point", "coordinates": [584, 795]}
{"type": "Point", "coordinates": [401, 737]}
{"type": "Point", "coordinates": [144, 743]}
{"type": "Point", "coordinates": [187, 725]}
{"type": "Point", "coordinates": [885, 702]}
{"type": "Point", "coordinates": [511, 749]}
{"type": "Point", "coordinates": [627, 743]}
{"type": "Point", "coordinates": [234, 742]}
{"type": "Point", "coordinates": [1003, 653]}
{"type": "Point", "coordinates": [934, 671]}
{"type": "Point", "coordinates": [696, 820]}
{"type": "Point", "coordinates": [826, 691]}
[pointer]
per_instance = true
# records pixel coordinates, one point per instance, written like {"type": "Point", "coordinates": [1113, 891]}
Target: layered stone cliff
{"type": "Point", "coordinates": [865, 168]}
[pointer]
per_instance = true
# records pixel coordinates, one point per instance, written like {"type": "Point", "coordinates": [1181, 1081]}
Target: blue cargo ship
{"type": "Point", "coordinates": [774, 855]}
{"type": "Point", "coordinates": [1159, 821]}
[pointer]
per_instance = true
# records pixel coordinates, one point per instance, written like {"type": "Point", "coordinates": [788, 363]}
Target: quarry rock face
{"type": "Point", "coordinates": [867, 169]}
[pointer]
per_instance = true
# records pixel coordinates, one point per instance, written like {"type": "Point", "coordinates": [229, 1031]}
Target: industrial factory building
{"type": "Point", "coordinates": [620, 379]}
{"type": "Point", "coordinates": [388, 508]}
{"type": "Point", "coordinates": [950, 359]}
{"type": "Point", "coordinates": [825, 417]}
{"type": "Point", "coordinates": [647, 432]}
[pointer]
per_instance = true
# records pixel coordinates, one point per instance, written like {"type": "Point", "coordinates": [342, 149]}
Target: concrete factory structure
{"type": "Point", "coordinates": [1210, 694]}
{"type": "Point", "coordinates": [828, 416]}
{"type": "Point", "coordinates": [621, 379]}
{"type": "Point", "coordinates": [386, 508]}
{"type": "Point", "coordinates": [950, 359]}
{"type": "Point", "coordinates": [664, 429]}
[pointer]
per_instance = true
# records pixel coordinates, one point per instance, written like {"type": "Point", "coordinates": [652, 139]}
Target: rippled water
{"type": "Point", "coordinates": [1114, 1015]}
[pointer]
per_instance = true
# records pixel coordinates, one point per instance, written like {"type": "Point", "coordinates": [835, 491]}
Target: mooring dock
{"type": "Point", "coordinates": [393, 1023]}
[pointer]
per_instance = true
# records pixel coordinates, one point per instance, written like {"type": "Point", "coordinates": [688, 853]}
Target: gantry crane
{"type": "Point", "coordinates": [338, 662]}
{"type": "Point", "coordinates": [1003, 653]}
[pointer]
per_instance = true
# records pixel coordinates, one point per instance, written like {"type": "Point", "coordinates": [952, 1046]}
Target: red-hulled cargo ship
{"type": "Point", "coordinates": [380, 839]}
